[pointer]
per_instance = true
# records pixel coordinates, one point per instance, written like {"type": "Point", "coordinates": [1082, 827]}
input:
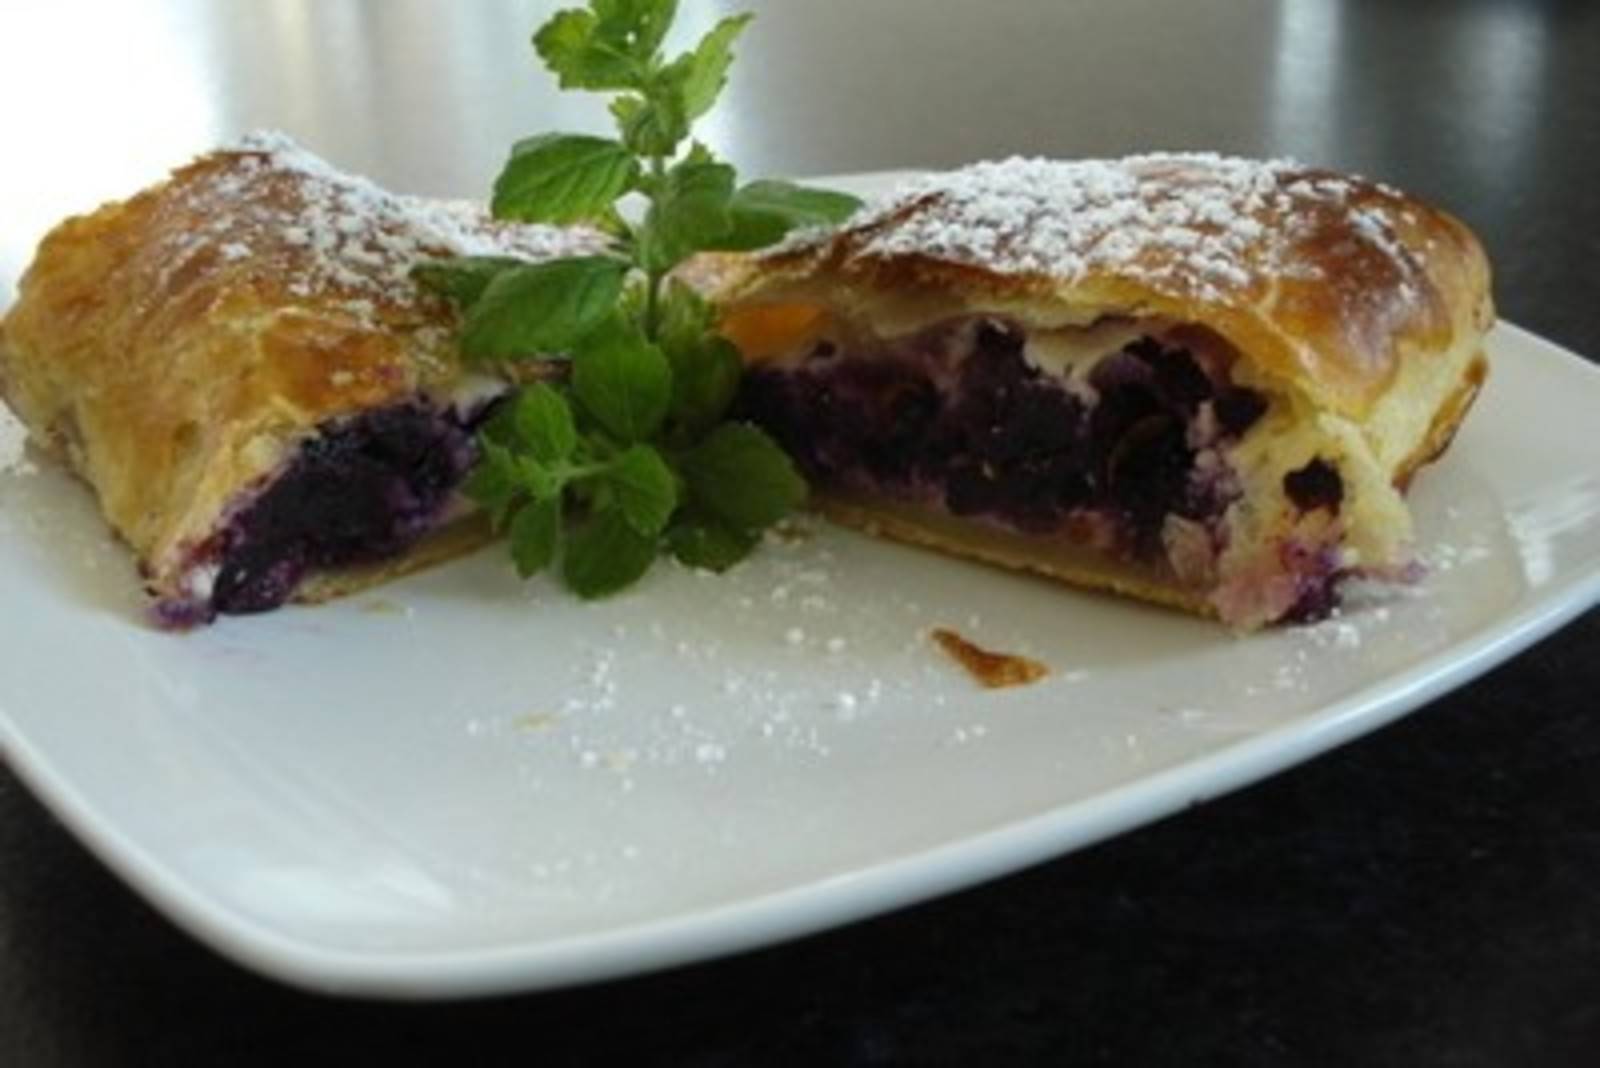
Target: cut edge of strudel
{"type": "Point", "coordinates": [239, 364]}
{"type": "Point", "coordinates": [1201, 381]}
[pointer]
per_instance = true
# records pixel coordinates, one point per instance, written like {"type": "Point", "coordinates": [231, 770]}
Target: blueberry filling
{"type": "Point", "coordinates": [1317, 576]}
{"type": "Point", "coordinates": [1238, 408]}
{"type": "Point", "coordinates": [958, 416]}
{"type": "Point", "coordinates": [1316, 485]}
{"type": "Point", "coordinates": [364, 489]}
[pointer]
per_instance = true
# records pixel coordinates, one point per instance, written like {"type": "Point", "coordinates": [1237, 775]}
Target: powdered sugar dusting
{"type": "Point", "coordinates": [1199, 225]}
{"type": "Point", "coordinates": [336, 235]}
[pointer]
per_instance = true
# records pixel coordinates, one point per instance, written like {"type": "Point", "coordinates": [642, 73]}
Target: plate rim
{"type": "Point", "coordinates": [795, 911]}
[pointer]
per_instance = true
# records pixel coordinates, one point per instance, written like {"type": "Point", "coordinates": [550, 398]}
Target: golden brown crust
{"type": "Point", "coordinates": [177, 345]}
{"type": "Point", "coordinates": [1445, 422]}
{"type": "Point", "coordinates": [1326, 280]}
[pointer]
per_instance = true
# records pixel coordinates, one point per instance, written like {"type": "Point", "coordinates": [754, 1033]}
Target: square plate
{"type": "Point", "coordinates": [461, 785]}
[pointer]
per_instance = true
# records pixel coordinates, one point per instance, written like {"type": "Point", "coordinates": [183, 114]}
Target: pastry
{"type": "Point", "coordinates": [240, 366]}
{"type": "Point", "coordinates": [1197, 380]}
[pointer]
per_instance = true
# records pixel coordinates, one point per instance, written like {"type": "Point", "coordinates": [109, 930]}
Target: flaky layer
{"type": "Point", "coordinates": [1329, 283]}
{"type": "Point", "coordinates": [177, 347]}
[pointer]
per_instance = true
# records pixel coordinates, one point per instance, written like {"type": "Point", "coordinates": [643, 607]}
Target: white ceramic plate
{"type": "Point", "coordinates": [460, 785]}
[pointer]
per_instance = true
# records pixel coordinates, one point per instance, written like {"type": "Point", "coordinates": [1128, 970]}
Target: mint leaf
{"type": "Point", "coordinates": [543, 424]}
{"type": "Point", "coordinates": [535, 531]}
{"type": "Point", "coordinates": [542, 482]}
{"type": "Point", "coordinates": [605, 555]}
{"type": "Point", "coordinates": [679, 93]}
{"type": "Point", "coordinates": [705, 368]}
{"type": "Point", "coordinates": [705, 379]}
{"type": "Point", "coordinates": [689, 213]}
{"type": "Point", "coordinates": [581, 58]}
{"type": "Point", "coordinates": [685, 317]}
{"type": "Point", "coordinates": [635, 296]}
{"type": "Point", "coordinates": [494, 482]}
{"type": "Point", "coordinates": [699, 153]}
{"type": "Point", "coordinates": [739, 475]}
{"type": "Point", "coordinates": [500, 428]}
{"type": "Point", "coordinates": [611, 46]}
{"type": "Point", "coordinates": [763, 211]}
{"type": "Point", "coordinates": [622, 380]}
{"type": "Point", "coordinates": [804, 205]}
{"type": "Point", "coordinates": [703, 541]}
{"type": "Point", "coordinates": [543, 308]}
{"type": "Point", "coordinates": [595, 438]}
{"type": "Point", "coordinates": [653, 125]}
{"type": "Point", "coordinates": [635, 25]}
{"type": "Point", "coordinates": [463, 278]}
{"type": "Point", "coordinates": [646, 490]}
{"type": "Point", "coordinates": [706, 68]}
{"type": "Point", "coordinates": [563, 178]}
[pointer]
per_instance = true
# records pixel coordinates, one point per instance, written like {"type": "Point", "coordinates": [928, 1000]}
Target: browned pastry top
{"type": "Point", "coordinates": [1322, 278]}
{"type": "Point", "coordinates": [269, 225]}
{"type": "Point", "coordinates": [175, 344]}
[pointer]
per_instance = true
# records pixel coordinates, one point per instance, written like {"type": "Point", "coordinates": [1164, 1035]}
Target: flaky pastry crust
{"type": "Point", "coordinates": [176, 347]}
{"type": "Point", "coordinates": [1359, 310]}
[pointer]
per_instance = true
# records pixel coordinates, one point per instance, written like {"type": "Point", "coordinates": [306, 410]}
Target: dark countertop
{"type": "Point", "coordinates": [1425, 896]}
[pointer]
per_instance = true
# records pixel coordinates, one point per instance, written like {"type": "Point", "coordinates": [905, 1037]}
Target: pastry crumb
{"type": "Point", "coordinates": [992, 669]}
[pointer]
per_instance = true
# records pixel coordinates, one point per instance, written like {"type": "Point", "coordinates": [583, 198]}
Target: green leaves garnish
{"type": "Point", "coordinates": [494, 482]}
{"type": "Point", "coordinates": [542, 309]}
{"type": "Point", "coordinates": [606, 555]}
{"type": "Point", "coordinates": [606, 47]}
{"type": "Point", "coordinates": [689, 207]}
{"type": "Point", "coordinates": [705, 542]}
{"type": "Point", "coordinates": [623, 380]}
{"type": "Point", "coordinates": [738, 475]}
{"type": "Point", "coordinates": [645, 487]}
{"type": "Point", "coordinates": [535, 532]}
{"type": "Point", "coordinates": [703, 72]}
{"type": "Point", "coordinates": [543, 424]}
{"type": "Point", "coordinates": [762, 212]}
{"type": "Point", "coordinates": [464, 278]}
{"type": "Point", "coordinates": [630, 453]}
{"type": "Point", "coordinates": [563, 178]}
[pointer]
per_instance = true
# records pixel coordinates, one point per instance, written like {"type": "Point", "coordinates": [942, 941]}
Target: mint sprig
{"type": "Point", "coordinates": [631, 453]}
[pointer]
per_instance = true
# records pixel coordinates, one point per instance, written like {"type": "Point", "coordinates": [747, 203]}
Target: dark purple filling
{"type": "Point", "coordinates": [1318, 575]}
{"type": "Point", "coordinates": [364, 489]}
{"type": "Point", "coordinates": [1316, 485]}
{"type": "Point", "coordinates": [1238, 409]}
{"type": "Point", "coordinates": [988, 434]}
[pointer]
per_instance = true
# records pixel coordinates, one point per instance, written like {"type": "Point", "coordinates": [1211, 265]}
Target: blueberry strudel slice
{"type": "Point", "coordinates": [1197, 380]}
{"type": "Point", "coordinates": [239, 364]}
